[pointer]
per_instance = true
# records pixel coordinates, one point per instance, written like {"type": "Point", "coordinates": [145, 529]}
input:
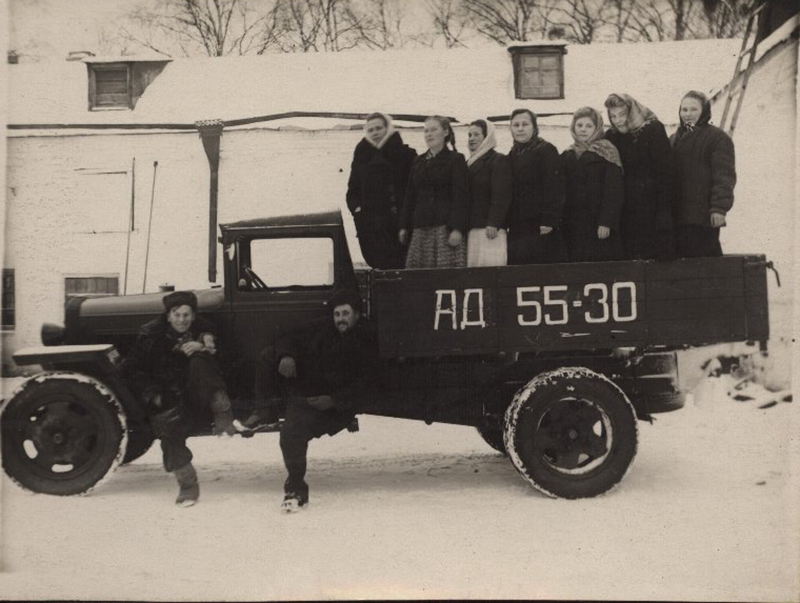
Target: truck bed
{"type": "Point", "coordinates": [557, 307]}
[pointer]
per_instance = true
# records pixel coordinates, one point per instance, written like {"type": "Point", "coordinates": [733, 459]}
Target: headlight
{"type": "Point", "coordinates": [52, 334]}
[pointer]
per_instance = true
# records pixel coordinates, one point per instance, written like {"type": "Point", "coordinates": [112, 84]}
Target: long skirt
{"type": "Point", "coordinates": [483, 251]}
{"type": "Point", "coordinates": [429, 249]}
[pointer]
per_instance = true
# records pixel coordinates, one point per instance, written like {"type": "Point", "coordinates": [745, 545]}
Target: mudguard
{"type": "Point", "coordinates": [99, 361]}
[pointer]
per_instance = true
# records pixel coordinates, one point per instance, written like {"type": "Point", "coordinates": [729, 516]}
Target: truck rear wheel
{"type": "Point", "coordinates": [62, 434]}
{"type": "Point", "coordinates": [571, 433]}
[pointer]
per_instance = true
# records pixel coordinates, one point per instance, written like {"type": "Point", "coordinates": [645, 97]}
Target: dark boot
{"type": "Point", "coordinates": [190, 489]}
{"type": "Point", "coordinates": [260, 419]}
{"type": "Point", "coordinates": [295, 494]}
{"type": "Point", "coordinates": [223, 417]}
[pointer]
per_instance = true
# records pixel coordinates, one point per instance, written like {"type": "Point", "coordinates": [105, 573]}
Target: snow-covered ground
{"type": "Point", "coordinates": [404, 510]}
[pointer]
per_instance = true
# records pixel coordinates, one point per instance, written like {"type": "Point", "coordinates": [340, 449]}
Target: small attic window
{"type": "Point", "coordinates": [110, 86]}
{"type": "Point", "coordinates": [538, 71]}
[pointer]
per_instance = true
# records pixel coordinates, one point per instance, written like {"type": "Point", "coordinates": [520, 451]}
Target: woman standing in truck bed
{"type": "Point", "coordinates": [594, 191]}
{"type": "Point", "coordinates": [706, 176]}
{"type": "Point", "coordinates": [436, 202]}
{"type": "Point", "coordinates": [490, 197]}
{"type": "Point", "coordinates": [649, 175]}
{"type": "Point", "coordinates": [537, 202]}
{"type": "Point", "coordinates": [378, 176]}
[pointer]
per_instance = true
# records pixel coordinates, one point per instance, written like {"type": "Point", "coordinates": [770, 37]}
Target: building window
{"type": "Point", "coordinates": [538, 71]}
{"type": "Point", "coordinates": [8, 304]}
{"type": "Point", "coordinates": [90, 286]}
{"type": "Point", "coordinates": [109, 86]}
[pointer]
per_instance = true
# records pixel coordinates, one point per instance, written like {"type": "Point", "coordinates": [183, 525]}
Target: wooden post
{"type": "Point", "coordinates": [210, 133]}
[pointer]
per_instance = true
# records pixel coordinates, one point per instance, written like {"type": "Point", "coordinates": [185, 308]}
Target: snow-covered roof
{"type": "Point", "coordinates": [461, 83]}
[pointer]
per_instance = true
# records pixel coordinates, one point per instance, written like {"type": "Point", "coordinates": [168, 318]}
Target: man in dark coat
{"type": "Point", "coordinates": [375, 190]}
{"type": "Point", "coordinates": [323, 373]}
{"type": "Point", "coordinates": [173, 371]}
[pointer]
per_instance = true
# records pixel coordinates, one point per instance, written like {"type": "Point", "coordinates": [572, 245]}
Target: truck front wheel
{"type": "Point", "coordinates": [62, 433]}
{"type": "Point", "coordinates": [571, 433]}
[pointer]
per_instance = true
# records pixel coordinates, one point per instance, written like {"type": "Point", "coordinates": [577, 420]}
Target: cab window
{"type": "Point", "coordinates": [291, 263]}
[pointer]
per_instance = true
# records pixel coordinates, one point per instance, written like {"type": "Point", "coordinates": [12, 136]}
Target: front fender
{"type": "Point", "coordinates": [100, 361]}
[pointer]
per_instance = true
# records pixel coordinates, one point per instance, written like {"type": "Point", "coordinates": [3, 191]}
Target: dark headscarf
{"type": "Point", "coordinates": [520, 147]}
{"type": "Point", "coordinates": [705, 114]}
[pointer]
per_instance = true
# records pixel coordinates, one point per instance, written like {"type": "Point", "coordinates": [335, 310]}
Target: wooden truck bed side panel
{"type": "Point", "coordinates": [570, 306]}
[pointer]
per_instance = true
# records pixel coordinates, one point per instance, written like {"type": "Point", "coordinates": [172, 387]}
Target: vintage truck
{"type": "Point", "coordinates": [553, 364]}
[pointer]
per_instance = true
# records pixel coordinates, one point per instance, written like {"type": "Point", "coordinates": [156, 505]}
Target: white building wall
{"type": "Point", "coordinates": [765, 209]}
{"type": "Point", "coordinates": [65, 217]}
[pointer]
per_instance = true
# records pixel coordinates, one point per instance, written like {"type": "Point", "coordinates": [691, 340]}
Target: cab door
{"type": "Point", "coordinates": [280, 282]}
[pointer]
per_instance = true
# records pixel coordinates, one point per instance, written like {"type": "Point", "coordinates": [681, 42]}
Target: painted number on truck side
{"type": "Point", "coordinates": [597, 303]}
{"type": "Point", "coordinates": [547, 303]}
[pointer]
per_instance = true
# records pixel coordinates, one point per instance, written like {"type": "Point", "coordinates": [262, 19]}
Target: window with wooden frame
{"type": "Point", "coordinates": [8, 303]}
{"type": "Point", "coordinates": [90, 286]}
{"type": "Point", "coordinates": [538, 72]}
{"type": "Point", "coordinates": [110, 86]}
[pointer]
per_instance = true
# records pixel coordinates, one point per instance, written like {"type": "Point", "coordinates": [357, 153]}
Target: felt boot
{"type": "Point", "coordinates": [189, 488]}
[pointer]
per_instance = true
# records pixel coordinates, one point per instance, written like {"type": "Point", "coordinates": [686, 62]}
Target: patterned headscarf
{"type": "Point", "coordinates": [389, 129]}
{"type": "Point", "coordinates": [705, 114]}
{"type": "Point", "coordinates": [596, 143]}
{"type": "Point", "coordinates": [638, 114]}
{"type": "Point", "coordinates": [488, 143]}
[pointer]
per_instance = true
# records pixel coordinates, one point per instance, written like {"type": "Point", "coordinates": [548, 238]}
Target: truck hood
{"type": "Point", "coordinates": [147, 303]}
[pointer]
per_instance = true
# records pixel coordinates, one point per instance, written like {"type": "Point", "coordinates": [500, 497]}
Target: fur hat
{"type": "Point", "coordinates": [341, 297]}
{"type": "Point", "coordinates": [180, 298]}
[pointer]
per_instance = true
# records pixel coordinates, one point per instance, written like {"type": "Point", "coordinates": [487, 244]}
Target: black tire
{"type": "Point", "coordinates": [665, 402]}
{"type": "Point", "coordinates": [492, 434]}
{"type": "Point", "coordinates": [139, 442]}
{"type": "Point", "coordinates": [571, 433]}
{"type": "Point", "coordinates": [62, 434]}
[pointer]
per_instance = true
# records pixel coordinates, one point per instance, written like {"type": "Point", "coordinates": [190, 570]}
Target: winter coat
{"type": "Point", "coordinates": [538, 189]}
{"type": "Point", "coordinates": [343, 366]}
{"type": "Point", "coordinates": [378, 176]}
{"type": "Point", "coordinates": [490, 186]}
{"type": "Point", "coordinates": [594, 194]}
{"type": "Point", "coordinates": [155, 366]}
{"type": "Point", "coordinates": [437, 192]}
{"type": "Point", "coordinates": [706, 169]}
{"type": "Point", "coordinates": [649, 174]}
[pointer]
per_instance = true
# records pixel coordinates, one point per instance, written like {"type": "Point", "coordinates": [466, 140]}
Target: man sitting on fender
{"type": "Point", "coordinates": [323, 372]}
{"type": "Point", "coordinates": [172, 369]}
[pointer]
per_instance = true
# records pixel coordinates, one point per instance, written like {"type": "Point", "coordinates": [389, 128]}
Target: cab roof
{"type": "Point", "coordinates": [325, 218]}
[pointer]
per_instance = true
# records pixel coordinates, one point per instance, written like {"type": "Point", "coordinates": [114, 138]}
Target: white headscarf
{"type": "Point", "coordinates": [389, 131]}
{"type": "Point", "coordinates": [488, 143]}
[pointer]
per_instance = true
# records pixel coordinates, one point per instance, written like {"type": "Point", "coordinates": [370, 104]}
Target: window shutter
{"type": "Point", "coordinates": [539, 75]}
{"type": "Point", "coordinates": [111, 87]}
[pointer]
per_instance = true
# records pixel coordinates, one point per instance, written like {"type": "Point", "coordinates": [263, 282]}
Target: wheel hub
{"type": "Point", "coordinates": [62, 433]}
{"type": "Point", "coordinates": [573, 436]}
